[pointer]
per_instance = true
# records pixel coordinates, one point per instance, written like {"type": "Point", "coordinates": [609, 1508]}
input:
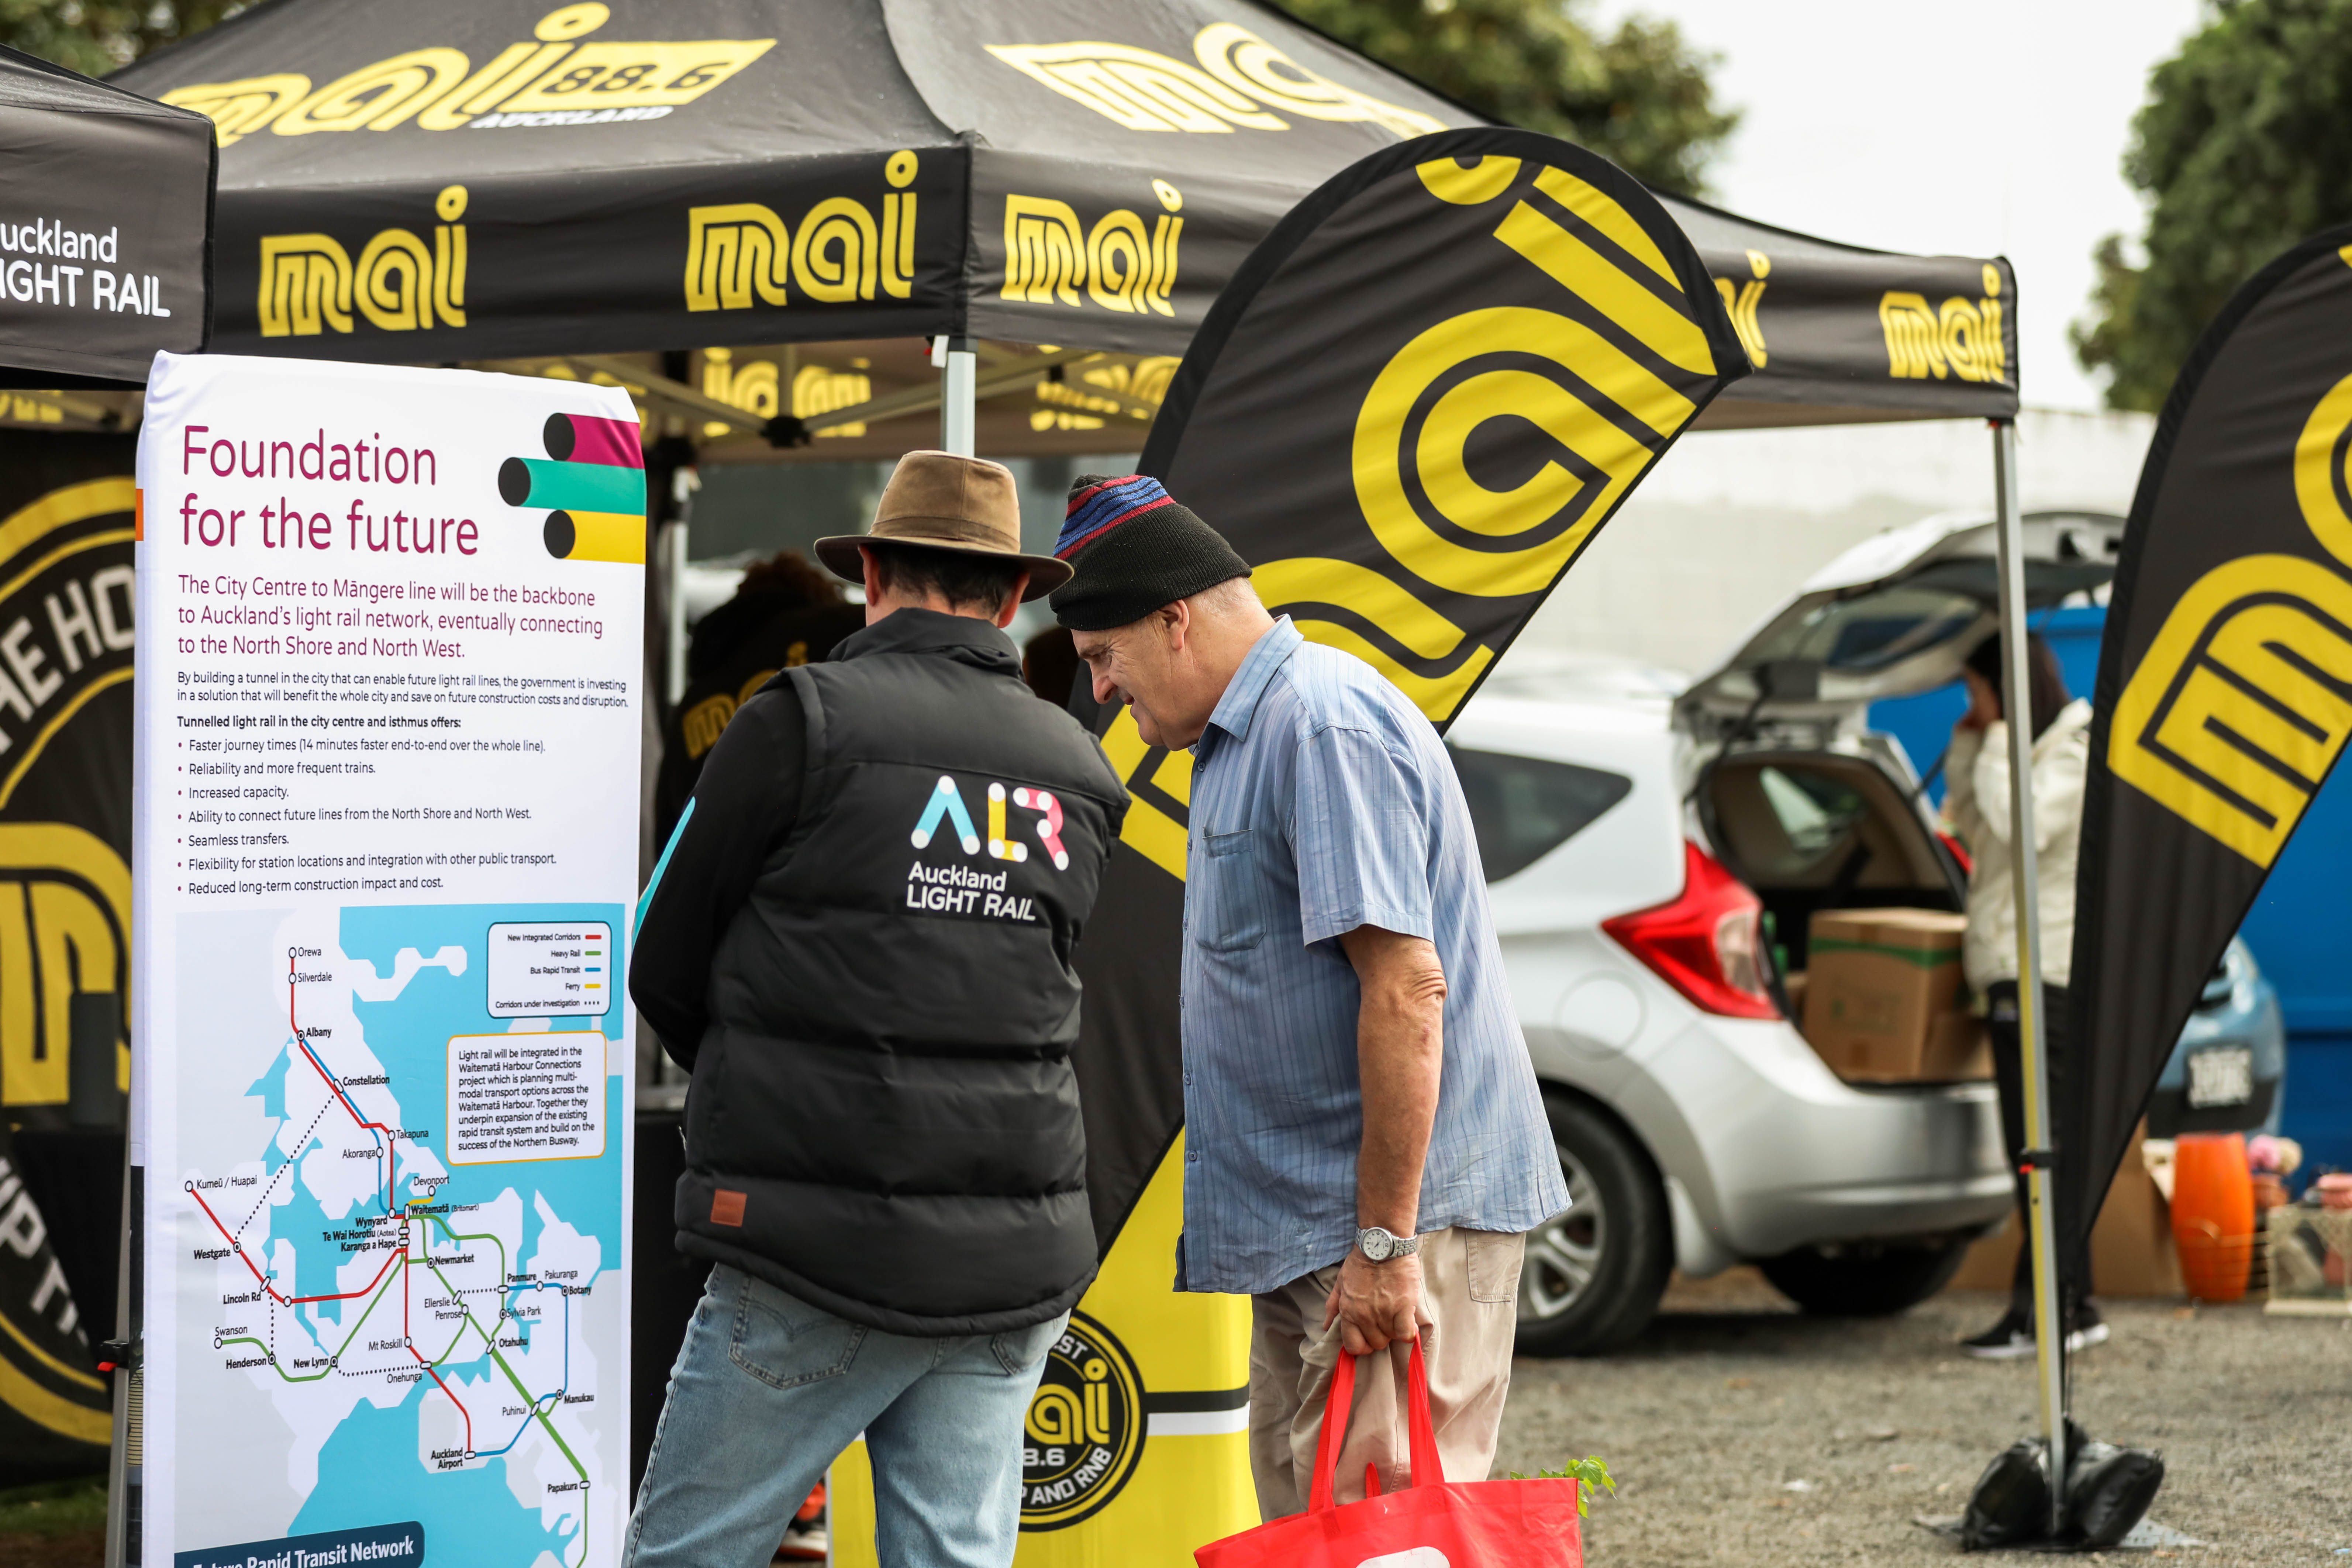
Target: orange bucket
{"type": "Point", "coordinates": [2213, 1213]}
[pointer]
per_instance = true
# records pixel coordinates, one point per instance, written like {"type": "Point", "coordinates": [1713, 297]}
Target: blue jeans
{"type": "Point", "coordinates": [768, 1389]}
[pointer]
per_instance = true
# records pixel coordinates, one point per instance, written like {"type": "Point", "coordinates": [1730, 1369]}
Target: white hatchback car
{"type": "Point", "coordinates": [1653, 858]}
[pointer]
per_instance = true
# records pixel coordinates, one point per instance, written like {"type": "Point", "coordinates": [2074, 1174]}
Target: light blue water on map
{"type": "Point", "coordinates": [368, 1470]}
{"type": "Point", "coordinates": [368, 1475]}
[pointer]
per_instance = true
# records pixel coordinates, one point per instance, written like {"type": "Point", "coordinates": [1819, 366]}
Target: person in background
{"type": "Point", "coordinates": [1050, 665]}
{"type": "Point", "coordinates": [785, 613]}
{"type": "Point", "coordinates": [1976, 804]}
{"type": "Point", "coordinates": [1365, 1143]}
{"type": "Point", "coordinates": [885, 1158]}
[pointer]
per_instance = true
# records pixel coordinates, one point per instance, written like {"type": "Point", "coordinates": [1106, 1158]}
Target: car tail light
{"type": "Point", "coordinates": [1960, 853]}
{"type": "Point", "coordinates": [1706, 943]}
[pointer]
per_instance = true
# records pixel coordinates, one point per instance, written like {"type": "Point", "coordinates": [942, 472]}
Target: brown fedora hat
{"type": "Point", "coordinates": [942, 501]}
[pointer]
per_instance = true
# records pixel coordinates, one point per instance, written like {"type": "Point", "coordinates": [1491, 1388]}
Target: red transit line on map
{"type": "Point", "coordinates": [263, 1280]}
{"type": "Point", "coordinates": [390, 1162]}
{"type": "Point", "coordinates": [390, 1177]}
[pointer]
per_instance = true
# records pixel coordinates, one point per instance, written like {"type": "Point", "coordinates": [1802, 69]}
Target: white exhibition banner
{"type": "Point", "coordinates": [388, 758]}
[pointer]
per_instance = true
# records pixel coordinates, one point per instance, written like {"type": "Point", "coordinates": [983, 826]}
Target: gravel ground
{"type": "Point", "coordinates": [1743, 1432]}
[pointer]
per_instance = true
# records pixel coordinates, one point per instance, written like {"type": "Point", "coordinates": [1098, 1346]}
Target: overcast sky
{"type": "Point", "coordinates": [1996, 127]}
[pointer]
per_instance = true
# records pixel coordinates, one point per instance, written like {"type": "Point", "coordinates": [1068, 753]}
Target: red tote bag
{"type": "Point", "coordinates": [1431, 1523]}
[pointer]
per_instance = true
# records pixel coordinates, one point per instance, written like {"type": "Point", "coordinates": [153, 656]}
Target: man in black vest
{"type": "Point", "coordinates": [859, 941]}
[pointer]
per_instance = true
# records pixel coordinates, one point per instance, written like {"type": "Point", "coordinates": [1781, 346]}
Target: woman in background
{"type": "Point", "coordinates": [1977, 805]}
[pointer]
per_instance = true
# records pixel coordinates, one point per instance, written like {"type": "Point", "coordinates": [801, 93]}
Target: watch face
{"type": "Point", "coordinates": [1377, 1245]}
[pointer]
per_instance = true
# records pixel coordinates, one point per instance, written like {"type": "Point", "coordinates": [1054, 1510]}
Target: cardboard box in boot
{"type": "Point", "coordinates": [1878, 984]}
{"type": "Point", "coordinates": [2132, 1253]}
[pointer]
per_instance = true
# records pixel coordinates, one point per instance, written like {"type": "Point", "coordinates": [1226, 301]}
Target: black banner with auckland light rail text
{"type": "Point", "coordinates": [1416, 403]}
{"type": "Point", "coordinates": [2225, 686]}
{"type": "Point", "coordinates": [106, 228]}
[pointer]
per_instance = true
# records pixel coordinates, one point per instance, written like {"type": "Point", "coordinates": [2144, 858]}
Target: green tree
{"type": "Point", "coordinates": [2245, 147]}
{"type": "Point", "coordinates": [1640, 97]}
{"type": "Point", "coordinates": [94, 36]}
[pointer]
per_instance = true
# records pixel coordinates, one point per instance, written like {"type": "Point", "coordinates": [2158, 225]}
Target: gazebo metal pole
{"type": "Point", "coordinates": [2017, 706]}
{"type": "Point", "coordinates": [126, 1459]}
{"type": "Point", "coordinates": [959, 397]}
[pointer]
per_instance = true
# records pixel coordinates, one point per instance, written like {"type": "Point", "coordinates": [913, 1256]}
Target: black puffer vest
{"type": "Point", "coordinates": [883, 1120]}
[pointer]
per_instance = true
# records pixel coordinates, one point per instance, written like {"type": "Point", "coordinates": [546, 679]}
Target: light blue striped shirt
{"type": "Point", "coordinates": [1322, 800]}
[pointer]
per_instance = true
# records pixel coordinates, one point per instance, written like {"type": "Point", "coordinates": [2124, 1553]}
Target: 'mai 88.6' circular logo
{"type": "Point", "coordinates": [1085, 1431]}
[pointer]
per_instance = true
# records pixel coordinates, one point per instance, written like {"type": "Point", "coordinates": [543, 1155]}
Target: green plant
{"type": "Point", "coordinates": [1640, 96]}
{"type": "Point", "coordinates": [2243, 147]}
{"type": "Point", "coordinates": [1590, 1470]}
{"type": "Point", "coordinates": [95, 37]}
{"type": "Point", "coordinates": [54, 1507]}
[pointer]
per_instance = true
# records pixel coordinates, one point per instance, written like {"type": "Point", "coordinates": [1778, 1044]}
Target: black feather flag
{"type": "Point", "coordinates": [2225, 686]}
{"type": "Point", "coordinates": [1409, 410]}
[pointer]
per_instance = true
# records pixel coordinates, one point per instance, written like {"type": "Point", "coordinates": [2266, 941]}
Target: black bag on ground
{"type": "Point", "coordinates": [2108, 1490]}
{"type": "Point", "coordinates": [2011, 1503]}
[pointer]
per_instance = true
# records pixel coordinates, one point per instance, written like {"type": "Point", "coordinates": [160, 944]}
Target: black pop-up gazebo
{"type": "Point", "coordinates": [440, 182]}
{"type": "Point", "coordinates": [105, 247]}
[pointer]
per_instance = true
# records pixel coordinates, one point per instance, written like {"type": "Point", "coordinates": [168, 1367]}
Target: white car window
{"type": "Point", "coordinates": [1872, 631]}
{"type": "Point", "coordinates": [1815, 814]}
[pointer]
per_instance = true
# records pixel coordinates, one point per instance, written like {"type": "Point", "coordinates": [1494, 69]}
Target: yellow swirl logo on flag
{"type": "Point", "coordinates": [2244, 700]}
{"type": "Point", "coordinates": [1526, 332]}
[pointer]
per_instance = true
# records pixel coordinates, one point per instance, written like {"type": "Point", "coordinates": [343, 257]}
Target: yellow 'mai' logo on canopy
{"type": "Point", "coordinates": [309, 282]}
{"type": "Point", "coordinates": [1240, 80]}
{"type": "Point", "coordinates": [554, 80]}
{"type": "Point", "coordinates": [1960, 337]}
{"type": "Point", "coordinates": [743, 254]}
{"type": "Point", "coordinates": [2244, 699]}
{"type": "Point", "coordinates": [1050, 255]}
{"type": "Point", "coordinates": [757, 386]}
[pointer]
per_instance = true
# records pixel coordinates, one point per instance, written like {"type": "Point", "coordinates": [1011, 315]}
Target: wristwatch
{"type": "Point", "coordinates": [1378, 1245]}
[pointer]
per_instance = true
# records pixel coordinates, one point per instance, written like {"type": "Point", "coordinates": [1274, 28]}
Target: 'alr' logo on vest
{"type": "Point", "coordinates": [947, 801]}
{"type": "Point", "coordinates": [969, 890]}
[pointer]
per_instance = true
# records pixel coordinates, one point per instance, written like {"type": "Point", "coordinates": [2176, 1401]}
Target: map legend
{"type": "Point", "coordinates": [550, 971]}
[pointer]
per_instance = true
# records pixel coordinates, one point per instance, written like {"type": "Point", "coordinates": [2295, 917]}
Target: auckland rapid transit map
{"type": "Point", "coordinates": [410, 1228]}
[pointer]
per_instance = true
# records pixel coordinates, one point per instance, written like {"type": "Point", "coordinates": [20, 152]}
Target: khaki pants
{"type": "Point", "coordinates": [1469, 1285]}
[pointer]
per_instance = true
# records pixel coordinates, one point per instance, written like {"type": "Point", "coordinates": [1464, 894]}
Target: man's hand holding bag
{"type": "Point", "coordinates": [1431, 1523]}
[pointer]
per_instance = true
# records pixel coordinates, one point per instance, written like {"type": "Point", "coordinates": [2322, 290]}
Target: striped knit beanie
{"type": "Point", "coordinates": [1135, 549]}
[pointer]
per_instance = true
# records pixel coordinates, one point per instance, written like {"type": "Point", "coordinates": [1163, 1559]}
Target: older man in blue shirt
{"type": "Point", "coordinates": [1366, 1146]}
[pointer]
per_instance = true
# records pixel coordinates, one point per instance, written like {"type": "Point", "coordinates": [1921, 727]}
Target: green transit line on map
{"type": "Point", "coordinates": [543, 1421]}
{"type": "Point", "coordinates": [528, 1398]}
{"type": "Point", "coordinates": [460, 1338]}
{"type": "Point", "coordinates": [405, 1265]}
{"type": "Point", "coordinates": [338, 1355]}
{"type": "Point", "coordinates": [557, 1439]}
{"type": "Point", "coordinates": [490, 1342]}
